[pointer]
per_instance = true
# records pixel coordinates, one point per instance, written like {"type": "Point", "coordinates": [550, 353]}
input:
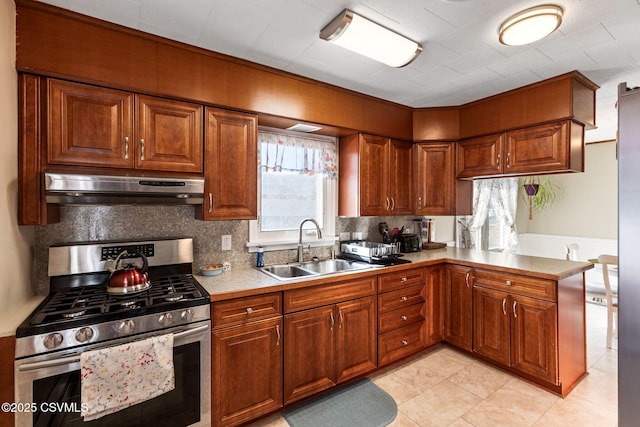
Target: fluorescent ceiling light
{"type": "Point", "coordinates": [530, 25]}
{"type": "Point", "coordinates": [301, 127]}
{"type": "Point", "coordinates": [367, 38]}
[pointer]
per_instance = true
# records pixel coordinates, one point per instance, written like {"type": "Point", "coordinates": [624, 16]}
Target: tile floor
{"type": "Point", "coordinates": [447, 388]}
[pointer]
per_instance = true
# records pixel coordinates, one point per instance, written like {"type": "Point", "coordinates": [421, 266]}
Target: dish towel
{"type": "Point", "coordinates": [115, 378]}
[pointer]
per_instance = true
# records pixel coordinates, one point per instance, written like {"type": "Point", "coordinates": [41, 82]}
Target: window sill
{"type": "Point", "coordinates": [283, 245]}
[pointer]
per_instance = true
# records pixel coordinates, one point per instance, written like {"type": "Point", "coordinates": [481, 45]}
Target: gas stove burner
{"type": "Point", "coordinates": [129, 304]}
{"type": "Point", "coordinates": [73, 314]}
{"type": "Point", "coordinates": [173, 297]}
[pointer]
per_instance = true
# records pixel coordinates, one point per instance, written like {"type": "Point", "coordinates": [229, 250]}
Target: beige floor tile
{"type": "Point", "coordinates": [599, 388]}
{"type": "Point", "coordinates": [480, 378]}
{"type": "Point", "coordinates": [397, 388]}
{"type": "Point", "coordinates": [440, 405]}
{"type": "Point", "coordinates": [574, 411]}
{"type": "Point", "coordinates": [403, 421]}
{"type": "Point", "coordinates": [271, 421]}
{"type": "Point", "coordinates": [516, 403]}
{"type": "Point", "coordinates": [426, 372]}
{"type": "Point", "coordinates": [460, 423]}
{"type": "Point", "coordinates": [607, 363]}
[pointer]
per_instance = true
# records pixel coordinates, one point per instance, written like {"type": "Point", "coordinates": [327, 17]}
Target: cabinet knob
{"type": "Point", "coordinates": [405, 342]}
{"type": "Point", "coordinates": [403, 317]}
{"type": "Point", "coordinates": [403, 298]}
{"type": "Point", "coordinates": [249, 310]}
{"type": "Point", "coordinates": [403, 279]}
{"type": "Point", "coordinates": [508, 282]}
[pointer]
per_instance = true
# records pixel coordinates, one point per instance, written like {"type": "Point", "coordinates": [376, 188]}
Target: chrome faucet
{"type": "Point", "coordinates": [300, 250]}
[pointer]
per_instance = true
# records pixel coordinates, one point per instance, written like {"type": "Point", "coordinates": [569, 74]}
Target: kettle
{"type": "Point", "coordinates": [129, 279]}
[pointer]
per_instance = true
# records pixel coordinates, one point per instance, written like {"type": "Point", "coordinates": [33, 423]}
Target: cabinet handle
{"type": "Point", "coordinates": [388, 204]}
{"type": "Point", "coordinates": [249, 310]}
{"type": "Point", "coordinates": [403, 279]}
{"type": "Point", "coordinates": [210, 202]}
{"type": "Point", "coordinates": [341, 320]}
{"type": "Point", "coordinates": [514, 309]}
{"type": "Point", "coordinates": [278, 335]}
{"type": "Point", "coordinates": [333, 321]}
{"type": "Point", "coordinates": [126, 147]}
{"type": "Point", "coordinates": [498, 160]}
{"type": "Point", "coordinates": [466, 278]}
{"type": "Point", "coordinates": [508, 282]}
{"type": "Point", "coordinates": [393, 203]}
{"type": "Point", "coordinates": [403, 317]}
{"type": "Point", "coordinates": [404, 342]}
{"type": "Point", "coordinates": [403, 298]}
{"type": "Point", "coordinates": [141, 148]}
{"type": "Point", "coordinates": [504, 308]}
{"type": "Point", "coordinates": [419, 202]}
{"type": "Point", "coordinates": [508, 160]}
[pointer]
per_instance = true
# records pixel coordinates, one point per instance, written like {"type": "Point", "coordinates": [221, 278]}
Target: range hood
{"type": "Point", "coordinates": [83, 189]}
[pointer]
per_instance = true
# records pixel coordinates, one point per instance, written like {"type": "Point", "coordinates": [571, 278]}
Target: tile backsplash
{"type": "Point", "coordinates": [129, 223]}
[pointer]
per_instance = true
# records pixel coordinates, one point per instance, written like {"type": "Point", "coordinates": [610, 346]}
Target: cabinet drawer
{"type": "Point", "coordinates": [390, 281]}
{"type": "Point", "coordinates": [317, 296]}
{"type": "Point", "coordinates": [242, 310]}
{"type": "Point", "coordinates": [401, 317]}
{"type": "Point", "coordinates": [401, 298]}
{"type": "Point", "coordinates": [401, 342]}
{"type": "Point", "coordinates": [514, 283]}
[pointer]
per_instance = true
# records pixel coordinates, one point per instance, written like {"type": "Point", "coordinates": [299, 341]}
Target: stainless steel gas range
{"type": "Point", "coordinates": [79, 315]}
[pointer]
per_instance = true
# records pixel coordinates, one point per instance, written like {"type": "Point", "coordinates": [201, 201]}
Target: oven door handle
{"type": "Point", "coordinates": [76, 358]}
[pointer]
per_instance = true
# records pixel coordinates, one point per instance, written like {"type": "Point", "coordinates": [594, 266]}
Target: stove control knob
{"type": "Point", "coordinates": [52, 340]}
{"type": "Point", "coordinates": [165, 319]}
{"type": "Point", "coordinates": [127, 326]}
{"type": "Point", "coordinates": [187, 315]}
{"type": "Point", "coordinates": [84, 334]}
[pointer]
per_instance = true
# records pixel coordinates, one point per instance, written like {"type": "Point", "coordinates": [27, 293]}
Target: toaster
{"type": "Point", "coordinates": [409, 242]}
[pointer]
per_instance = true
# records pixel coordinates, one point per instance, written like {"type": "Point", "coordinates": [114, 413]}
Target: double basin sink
{"type": "Point", "coordinates": [313, 268]}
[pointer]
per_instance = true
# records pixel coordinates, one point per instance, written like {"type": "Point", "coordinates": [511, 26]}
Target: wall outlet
{"type": "Point", "coordinates": [226, 242]}
{"type": "Point", "coordinates": [356, 235]}
{"type": "Point", "coordinates": [344, 236]}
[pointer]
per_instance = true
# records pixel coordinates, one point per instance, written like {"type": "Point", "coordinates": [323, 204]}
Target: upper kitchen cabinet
{"type": "Point", "coordinates": [95, 126]}
{"type": "Point", "coordinates": [375, 176]}
{"type": "Point", "coordinates": [547, 148]}
{"type": "Point", "coordinates": [438, 192]}
{"type": "Point", "coordinates": [231, 165]}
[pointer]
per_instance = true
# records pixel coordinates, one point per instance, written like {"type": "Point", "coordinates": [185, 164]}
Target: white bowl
{"type": "Point", "coordinates": [208, 270]}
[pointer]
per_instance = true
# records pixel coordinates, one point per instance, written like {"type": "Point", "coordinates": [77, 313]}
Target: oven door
{"type": "Point", "coordinates": [48, 387]}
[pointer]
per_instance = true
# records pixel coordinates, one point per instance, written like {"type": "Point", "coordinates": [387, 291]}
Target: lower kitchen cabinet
{"type": "Point", "coordinates": [458, 306]}
{"type": "Point", "coordinates": [328, 345]}
{"type": "Point", "coordinates": [434, 304]}
{"type": "Point", "coordinates": [247, 359]}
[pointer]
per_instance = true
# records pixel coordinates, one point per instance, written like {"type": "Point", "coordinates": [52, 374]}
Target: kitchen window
{"type": "Point", "coordinates": [296, 180]}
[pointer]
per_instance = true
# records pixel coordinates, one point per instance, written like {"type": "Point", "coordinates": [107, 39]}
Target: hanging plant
{"type": "Point", "coordinates": [539, 193]}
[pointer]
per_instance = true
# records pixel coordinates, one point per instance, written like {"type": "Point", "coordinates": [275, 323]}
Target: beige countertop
{"type": "Point", "coordinates": [248, 281]}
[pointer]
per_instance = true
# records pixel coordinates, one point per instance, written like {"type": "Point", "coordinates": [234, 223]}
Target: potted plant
{"type": "Point", "coordinates": [539, 193]}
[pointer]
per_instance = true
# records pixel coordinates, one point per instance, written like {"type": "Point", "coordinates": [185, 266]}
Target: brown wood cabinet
{"type": "Point", "coordinates": [375, 176]}
{"type": "Point", "coordinates": [434, 292]}
{"type": "Point", "coordinates": [546, 148]}
{"type": "Point", "coordinates": [231, 165]}
{"type": "Point", "coordinates": [514, 329]}
{"type": "Point", "coordinates": [247, 359]}
{"type": "Point", "coordinates": [437, 191]}
{"type": "Point", "coordinates": [458, 306]}
{"type": "Point", "coordinates": [327, 345]}
{"type": "Point", "coordinates": [95, 126]}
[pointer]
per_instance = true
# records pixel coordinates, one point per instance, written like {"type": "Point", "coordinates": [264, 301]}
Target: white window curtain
{"type": "Point", "coordinates": [501, 195]}
{"type": "Point", "coordinates": [283, 152]}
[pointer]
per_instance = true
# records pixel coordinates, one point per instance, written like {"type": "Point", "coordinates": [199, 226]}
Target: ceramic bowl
{"type": "Point", "coordinates": [210, 270]}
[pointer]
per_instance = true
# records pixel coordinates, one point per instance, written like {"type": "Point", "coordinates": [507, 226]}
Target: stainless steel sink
{"type": "Point", "coordinates": [313, 268]}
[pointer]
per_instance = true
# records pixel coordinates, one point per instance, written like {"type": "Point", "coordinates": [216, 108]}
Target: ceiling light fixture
{"type": "Point", "coordinates": [530, 25]}
{"type": "Point", "coordinates": [372, 40]}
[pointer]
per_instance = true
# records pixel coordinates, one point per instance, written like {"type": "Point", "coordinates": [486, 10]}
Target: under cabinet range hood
{"type": "Point", "coordinates": [84, 189]}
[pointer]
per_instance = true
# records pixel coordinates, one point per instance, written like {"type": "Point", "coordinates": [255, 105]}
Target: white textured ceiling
{"type": "Point", "coordinates": [462, 59]}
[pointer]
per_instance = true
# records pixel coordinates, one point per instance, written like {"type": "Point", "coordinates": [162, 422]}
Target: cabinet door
{"type": "Point", "coordinates": [491, 324]}
{"type": "Point", "coordinates": [374, 175]}
{"type": "Point", "coordinates": [533, 337]}
{"type": "Point", "coordinates": [168, 135]}
{"type": "Point", "coordinates": [247, 371]}
{"type": "Point", "coordinates": [434, 309]}
{"type": "Point", "coordinates": [458, 306]}
{"type": "Point", "coordinates": [231, 165]}
{"type": "Point", "coordinates": [355, 338]}
{"type": "Point", "coordinates": [89, 126]}
{"type": "Point", "coordinates": [538, 149]}
{"type": "Point", "coordinates": [400, 178]}
{"type": "Point", "coordinates": [480, 156]}
{"type": "Point", "coordinates": [434, 179]}
{"type": "Point", "coordinates": [309, 352]}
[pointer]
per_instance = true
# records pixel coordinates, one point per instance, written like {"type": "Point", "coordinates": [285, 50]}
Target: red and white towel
{"type": "Point", "coordinates": [116, 378]}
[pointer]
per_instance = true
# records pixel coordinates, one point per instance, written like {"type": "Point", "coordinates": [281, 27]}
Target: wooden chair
{"type": "Point", "coordinates": [612, 298]}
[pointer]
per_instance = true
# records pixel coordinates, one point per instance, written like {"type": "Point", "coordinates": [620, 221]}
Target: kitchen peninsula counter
{"type": "Point", "coordinates": [241, 282]}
